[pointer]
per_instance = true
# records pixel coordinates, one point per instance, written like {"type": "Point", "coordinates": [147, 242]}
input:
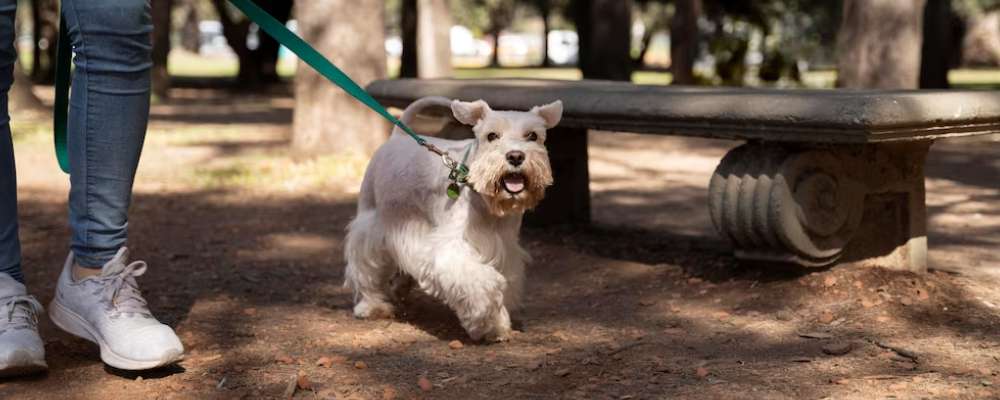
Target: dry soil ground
{"type": "Point", "coordinates": [245, 252]}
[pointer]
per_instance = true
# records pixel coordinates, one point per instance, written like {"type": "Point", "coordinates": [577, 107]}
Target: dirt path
{"type": "Point", "coordinates": [244, 247]}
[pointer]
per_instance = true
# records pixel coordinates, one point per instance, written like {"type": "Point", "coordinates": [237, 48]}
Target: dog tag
{"type": "Point", "coordinates": [453, 190]}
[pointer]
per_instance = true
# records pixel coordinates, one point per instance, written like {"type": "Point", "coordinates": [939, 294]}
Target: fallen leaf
{"type": "Point", "coordinates": [325, 362]}
{"type": "Point", "coordinates": [360, 365]}
{"type": "Point", "coordinates": [702, 372]}
{"type": "Point", "coordinates": [905, 301]}
{"type": "Point", "coordinates": [455, 344]}
{"type": "Point", "coordinates": [425, 384]}
{"type": "Point", "coordinates": [867, 303]}
{"type": "Point", "coordinates": [722, 315]}
{"type": "Point", "coordinates": [830, 281]}
{"type": "Point", "coordinates": [694, 281]}
{"type": "Point", "coordinates": [882, 318]}
{"type": "Point", "coordinates": [922, 295]}
{"type": "Point", "coordinates": [303, 381]}
{"type": "Point", "coordinates": [389, 393]}
{"type": "Point", "coordinates": [250, 311]}
{"type": "Point", "coordinates": [562, 372]}
{"type": "Point", "coordinates": [897, 386]}
{"type": "Point", "coordinates": [284, 359]}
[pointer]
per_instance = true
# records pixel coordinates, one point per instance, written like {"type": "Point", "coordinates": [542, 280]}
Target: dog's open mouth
{"type": "Point", "coordinates": [513, 183]}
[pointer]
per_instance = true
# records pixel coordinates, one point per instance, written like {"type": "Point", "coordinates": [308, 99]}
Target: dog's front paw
{"type": "Point", "coordinates": [499, 336]}
{"type": "Point", "coordinates": [366, 309]}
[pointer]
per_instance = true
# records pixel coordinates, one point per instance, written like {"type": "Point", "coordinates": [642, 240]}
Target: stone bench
{"type": "Point", "coordinates": [824, 176]}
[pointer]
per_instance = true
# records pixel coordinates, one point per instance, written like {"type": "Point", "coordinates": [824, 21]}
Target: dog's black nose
{"type": "Point", "coordinates": [515, 157]}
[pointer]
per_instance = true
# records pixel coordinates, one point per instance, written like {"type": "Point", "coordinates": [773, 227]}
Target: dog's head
{"type": "Point", "coordinates": [510, 168]}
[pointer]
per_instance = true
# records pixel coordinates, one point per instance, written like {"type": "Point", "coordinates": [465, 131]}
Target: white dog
{"type": "Point", "coordinates": [463, 251]}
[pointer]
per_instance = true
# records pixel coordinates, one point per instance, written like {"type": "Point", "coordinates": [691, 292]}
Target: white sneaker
{"type": "Point", "coordinates": [108, 309]}
{"type": "Point", "coordinates": [21, 349]}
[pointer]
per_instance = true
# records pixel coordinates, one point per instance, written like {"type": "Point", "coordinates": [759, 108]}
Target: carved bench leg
{"type": "Point", "coordinates": [816, 206]}
{"type": "Point", "coordinates": [568, 200]}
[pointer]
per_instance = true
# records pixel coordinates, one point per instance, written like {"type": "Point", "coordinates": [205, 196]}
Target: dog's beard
{"type": "Point", "coordinates": [508, 189]}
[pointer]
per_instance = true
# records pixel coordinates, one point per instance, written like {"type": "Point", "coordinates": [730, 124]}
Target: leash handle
{"type": "Point", "coordinates": [60, 114]}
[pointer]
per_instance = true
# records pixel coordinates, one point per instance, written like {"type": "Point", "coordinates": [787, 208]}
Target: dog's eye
{"type": "Point", "coordinates": [532, 137]}
{"type": "Point", "coordinates": [492, 136]}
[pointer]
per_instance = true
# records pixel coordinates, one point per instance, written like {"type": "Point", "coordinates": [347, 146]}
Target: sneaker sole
{"type": "Point", "coordinates": [22, 364]}
{"type": "Point", "coordinates": [73, 323]}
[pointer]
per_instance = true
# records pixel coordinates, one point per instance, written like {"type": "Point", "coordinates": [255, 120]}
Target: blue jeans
{"type": "Point", "coordinates": [109, 111]}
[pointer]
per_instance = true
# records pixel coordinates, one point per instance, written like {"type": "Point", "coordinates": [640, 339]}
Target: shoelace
{"type": "Point", "coordinates": [19, 316]}
{"type": "Point", "coordinates": [123, 293]}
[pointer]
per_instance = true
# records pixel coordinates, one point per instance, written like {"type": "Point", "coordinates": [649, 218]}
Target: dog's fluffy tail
{"type": "Point", "coordinates": [416, 107]}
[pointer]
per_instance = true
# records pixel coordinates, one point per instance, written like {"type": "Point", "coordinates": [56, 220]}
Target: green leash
{"type": "Point", "coordinates": [61, 112]}
{"type": "Point", "coordinates": [459, 171]}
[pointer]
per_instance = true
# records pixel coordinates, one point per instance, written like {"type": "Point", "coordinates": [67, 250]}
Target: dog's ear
{"type": "Point", "coordinates": [469, 113]}
{"type": "Point", "coordinates": [551, 113]}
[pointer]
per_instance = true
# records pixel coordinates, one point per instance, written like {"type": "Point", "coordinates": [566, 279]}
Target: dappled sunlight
{"type": "Point", "coordinates": [244, 243]}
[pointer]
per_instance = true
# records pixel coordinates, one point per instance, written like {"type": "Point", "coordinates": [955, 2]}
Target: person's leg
{"type": "Point", "coordinates": [10, 246]}
{"type": "Point", "coordinates": [109, 110]}
{"type": "Point", "coordinates": [21, 349]}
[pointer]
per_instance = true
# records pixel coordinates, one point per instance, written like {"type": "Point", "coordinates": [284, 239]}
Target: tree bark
{"type": "Point", "coordinates": [684, 41]}
{"type": "Point", "coordinates": [495, 57]}
{"type": "Point", "coordinates": [605, 36]}
{"type": "Point", "coordinates": [943, 31]}
{"type": "Point", "coordinates": [45, 14]}
{"type": "Point", "coordinates": [161, 47]}
{"type": "Point", "coordinates": [408, 34]}
{"type": "Point", "coordinates": [190, 35]}
{"type": "Point", "coordinates": [545, 11]}
{"type": "Point", "coordinates": [326, 119]}
{"type": "Point", "coordinates": [434, 38]}
{"type": "Point", "coordinates": [257, 66]}
{"type": "Point", "coordinates": [879, 44]}
{"type": "Point", "coordinates": [266, 54]}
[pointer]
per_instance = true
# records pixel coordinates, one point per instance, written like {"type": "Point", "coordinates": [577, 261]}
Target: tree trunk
{"type": "Point", "coordinates": [684, 41]}
{"type": "Point", "coordinates": [266, 53]}
{"type": "Point", "coordinates": [495, 58]}
{"type": "Point", "coordinates": [257, 66]}
{"type": "Point", "coordinates": [326, 118]}
{"type": "Point", "coordinates": [605, 36]}
{"type": "Point", "coordinates": [434, 38]}
{"type": "Point", "coordinates": [879, 44]}
{"type": "Point", "coordinates": [45, 16]}
{"type": "Point", "coordinates": [161, 47]}
{"type": "Point", "coordinates": [545, 9]}
{"type": "Point", "coordinates": [190, 35]}
{"type": "Point", "coordinates": [942, 40]}
{"type": "Point", "coordinates": [647, 37]}
{"type": "Point", "coordinates": [408, 34]}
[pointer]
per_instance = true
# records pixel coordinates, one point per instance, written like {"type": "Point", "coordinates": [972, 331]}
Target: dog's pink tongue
{"type": "Point", "coordinates": [513, 183]}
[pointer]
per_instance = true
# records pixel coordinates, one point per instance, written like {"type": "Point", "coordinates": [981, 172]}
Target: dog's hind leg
{"type": "Point", "coordinates": [368, 270]}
